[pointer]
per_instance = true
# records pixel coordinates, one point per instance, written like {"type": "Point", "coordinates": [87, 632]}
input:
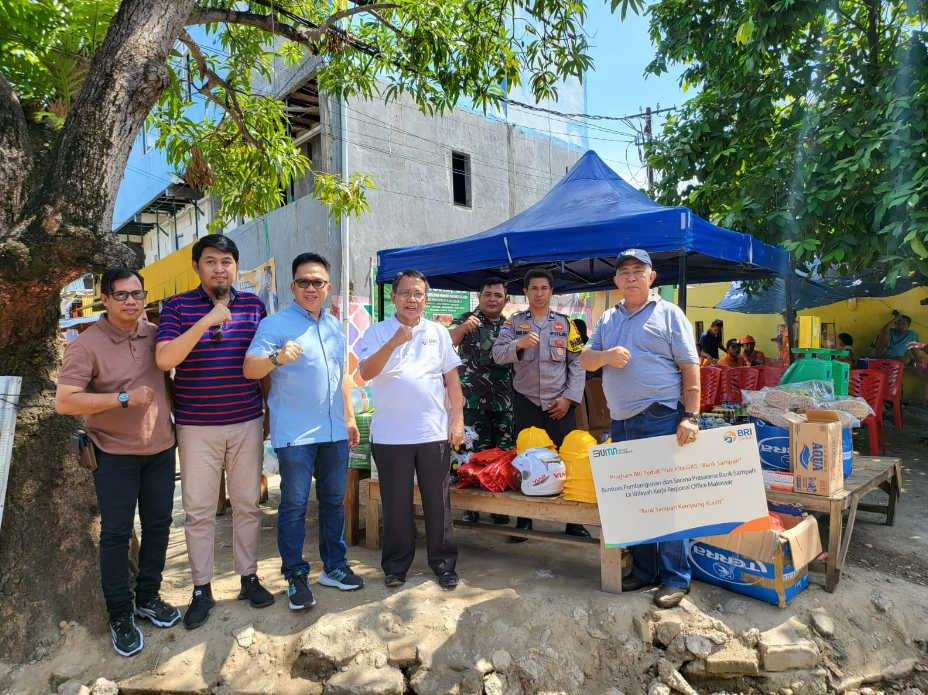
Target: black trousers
{"type": "Point", "coordinates": [431, 463]}
{"type": "Point", "coordinates": [527, 414]}
{"type": "Point", "coordinates": [122, 482]}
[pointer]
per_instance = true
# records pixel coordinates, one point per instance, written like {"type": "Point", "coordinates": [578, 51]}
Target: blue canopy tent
{"type": "Point", "coordinates": [807, 293]}
{"type": "Point", "coordinates": [577, 229]}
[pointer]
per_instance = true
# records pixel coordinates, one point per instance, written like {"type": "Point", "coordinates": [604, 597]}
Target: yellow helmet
{"type": "Point", "coordinates": [576, 444]}
{"type": "Point", "coordinates": [532, 437]}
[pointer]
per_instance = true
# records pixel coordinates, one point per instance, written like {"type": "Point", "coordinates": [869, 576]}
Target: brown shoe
{"type": "Point", "coordinates": [669, 596]}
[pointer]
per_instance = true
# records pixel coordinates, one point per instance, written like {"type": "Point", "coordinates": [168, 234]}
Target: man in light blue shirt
{"type": "Point", "coordinates": [302, 348]}
{"type": "Point", "coordinates": [650, 369]}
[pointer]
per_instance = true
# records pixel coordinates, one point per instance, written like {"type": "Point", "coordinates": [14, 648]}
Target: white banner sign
{"type": "Point", "coordinates": [652, 490]}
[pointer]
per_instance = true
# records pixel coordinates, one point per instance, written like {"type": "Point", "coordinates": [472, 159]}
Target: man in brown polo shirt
{"type": "Point", "coordinates": [109, 376]}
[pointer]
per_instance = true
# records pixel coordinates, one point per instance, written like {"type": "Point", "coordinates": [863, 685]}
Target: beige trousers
{"type": "Point", "coordinates": [204, 450]}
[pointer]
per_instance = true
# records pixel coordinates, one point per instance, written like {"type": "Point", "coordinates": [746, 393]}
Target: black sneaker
{"type": "Point", "coordinates": [127, 638]}
{"type": "Point", "coordinates": [157, 610]}
{"type": "Point", "coordinates": [254, 593]}
{"type": "Point", "coordinates": [200, 606]}
{"type": "Point", "coordinates": [342, 578]}
{"type": "Point", "coordinates": [576, 530]}
{"type": "Point", "coordinates": [394, 580]}
{"type": "Point", "coordinates": [298, 591]}
{"type": "Point", "coordinates": [522, 524]}
{"type": "Point", "coordinates": [471, 516]}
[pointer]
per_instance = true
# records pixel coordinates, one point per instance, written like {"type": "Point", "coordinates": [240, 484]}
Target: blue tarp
{"type": "Point", "coordinates": [809, 293]}
{"type": "Point", "coordinates": [578, 229]}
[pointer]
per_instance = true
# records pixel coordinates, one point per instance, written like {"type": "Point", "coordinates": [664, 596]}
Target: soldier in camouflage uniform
{"type": "Point", "coordinates": [487, 385]}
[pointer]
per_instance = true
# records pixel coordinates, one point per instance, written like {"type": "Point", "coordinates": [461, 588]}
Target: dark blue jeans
{"type": "Point", "coordinates": [297, 463]}
{"type": "Point", "coordinates": [665, 562]}
{"type": "Point", "coordinates": [122, 482]}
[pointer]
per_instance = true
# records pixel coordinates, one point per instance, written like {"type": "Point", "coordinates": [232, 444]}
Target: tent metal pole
{"type": "Point", "coordinates": [789, 312]}
{"type": "Point", "coordinates": [681, 281]}
{"type": "Point", "coordinates": [380, 301]}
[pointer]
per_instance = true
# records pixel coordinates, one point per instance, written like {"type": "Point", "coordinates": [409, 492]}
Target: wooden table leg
{"type": "Point", "coordinates": [610, 567]}
{"type": "Point", "coordinates": [848, 530]}
{"type": "Point", "coordinates": [372, 521]}
{"type": "Point", "coordinates": [833, 567]}
{"type": "Point", "coordinates": [352, 506]}
{"type": "Point", "coordinates": [895, 489]}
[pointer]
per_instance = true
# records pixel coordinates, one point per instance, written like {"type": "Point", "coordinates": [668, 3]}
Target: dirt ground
{"type": "Point", "coordinates": [533, 611]}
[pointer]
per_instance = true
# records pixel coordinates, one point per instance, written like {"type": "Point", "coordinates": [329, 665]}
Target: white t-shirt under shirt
{"type": "Point", "coordinates": [409, 394]}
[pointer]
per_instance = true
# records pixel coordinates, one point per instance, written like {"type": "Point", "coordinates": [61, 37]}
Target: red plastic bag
{"type": "Point", "coordinates": [500, 475]}
{"type": "Point", "coordinates": [775, 523]}
{"type": "Point", "coordinates": [468, 475]}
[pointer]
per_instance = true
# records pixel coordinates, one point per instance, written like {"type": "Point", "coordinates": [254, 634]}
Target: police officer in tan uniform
{"type": "Point", "coordinates": [543, 347]}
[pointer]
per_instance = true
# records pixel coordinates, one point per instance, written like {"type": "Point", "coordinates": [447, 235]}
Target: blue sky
{"type": "Point", "coordinates": [621, 51]}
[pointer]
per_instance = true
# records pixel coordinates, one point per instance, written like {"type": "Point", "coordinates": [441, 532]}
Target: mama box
{"type": "Point", "coordinates": [771, 566]}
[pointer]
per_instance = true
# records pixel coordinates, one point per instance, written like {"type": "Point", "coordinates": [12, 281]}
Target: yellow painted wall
{"type": "Point", "coordinates": [863, 319]}
{"type": "Point", "coordinates": [169, 276]}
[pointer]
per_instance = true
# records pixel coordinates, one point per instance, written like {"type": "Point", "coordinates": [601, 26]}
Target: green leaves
{"type": "Point", "coordinates": [802, 133]}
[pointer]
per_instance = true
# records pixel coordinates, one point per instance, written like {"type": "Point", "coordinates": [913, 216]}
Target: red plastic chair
{"type": "Point", "coordinates": [870, 385]}
{"type": "Point", "coordinates": [893, 369]}
{"type": "Point", "coordinates": [777, 363]}
{"type": "Point", "coordinates": [771, 375]}
{"type": "Point", "coordinates": [745, 378]}
{"type": "Point", "coordinates": [709, 382]}
{"type": "Point", "coordinates": [729, 389]}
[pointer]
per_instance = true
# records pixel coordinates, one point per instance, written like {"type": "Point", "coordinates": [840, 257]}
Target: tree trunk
{"type": "Point", "coordinates": [57, 194]}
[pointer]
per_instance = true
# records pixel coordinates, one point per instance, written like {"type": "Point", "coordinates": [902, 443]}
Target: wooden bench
{"type": "Point", "coordinates": [515, 504]}
{"type": "Point", "coordinates": [353, 531]}
{"type": "Point", "coordinates": [869, 474]}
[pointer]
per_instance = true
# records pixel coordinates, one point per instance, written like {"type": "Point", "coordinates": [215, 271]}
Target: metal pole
{"type": "Point", "coordinates": [681, 281]}
{"type": "Point", "coordinates": [346, 238]}
{"type": "Point", "coordinates": [380, 301]}
{"type": "Point", "coordinates": [789, 312]}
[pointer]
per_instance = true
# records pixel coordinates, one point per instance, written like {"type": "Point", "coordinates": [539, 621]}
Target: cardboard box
{"type": "Point", "coordinates": [810, 332]}
{"type": "Point", "coordinates": [775, 480]}
{"type": "Point", "coordinates": [770, 566]}
{"type": "Point", "coordinates": [816, 452]}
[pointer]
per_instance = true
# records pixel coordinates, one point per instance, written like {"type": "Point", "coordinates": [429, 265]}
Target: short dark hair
{"type": "Point", "coordinates": [732, 341]}
{"type": "Point", "coordinates": [716, 322]}
{"type": "Point", "coordinates": [310, 258]}
{"type": "Point", "coordinates": [490, 282]}
{"type": "Point", "coordinates": [408, 274]}
{"type": "Point", "coordinates": [908, 319]}
{"type": "Point", "coordinates": [846, 338]}
{"type": "Point", "coordinates": [539, 273]}
{"type": "Point", "coordinates": [115, 275]}
{"type": "Point", "coordinates": [217, 241]}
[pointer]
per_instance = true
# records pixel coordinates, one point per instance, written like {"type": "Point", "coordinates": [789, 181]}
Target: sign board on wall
{"type": "Point", "coordinates": [652, 490]}
{"type": "Point", "coordinates": [261, 281]}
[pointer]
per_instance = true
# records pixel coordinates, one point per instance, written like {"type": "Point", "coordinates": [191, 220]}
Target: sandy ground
{"type": "Point", "coordinates": [512, 597]}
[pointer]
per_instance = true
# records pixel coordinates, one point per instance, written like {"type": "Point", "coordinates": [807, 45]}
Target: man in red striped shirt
{"type": "Point", "coordinates": [204, 335]}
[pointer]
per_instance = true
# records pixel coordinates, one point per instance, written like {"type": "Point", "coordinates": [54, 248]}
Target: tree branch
{"type": "Point", "coordinates": [233, 109]}
{"type": "Point", "coordinates": [15, 156]}
{"type": "Point", "coordinates": [303, 35]}
{"type": "Point", "coordinates": [324, 27]}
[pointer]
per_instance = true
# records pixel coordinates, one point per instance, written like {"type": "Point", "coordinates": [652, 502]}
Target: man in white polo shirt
{"type": "Point", "coordinates": [410, 361]}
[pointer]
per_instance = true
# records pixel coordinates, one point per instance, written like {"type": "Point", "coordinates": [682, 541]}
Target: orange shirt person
{"type": "Point", "coordinates": [733, 356]}
{"type": "Point", "coordinates": [753, 357]}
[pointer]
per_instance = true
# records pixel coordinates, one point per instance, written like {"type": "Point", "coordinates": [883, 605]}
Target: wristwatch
{"type": "Point", "coordinates": [273, 358]}
{"type": "Point", "coordinates": [123, 398]}
{"type": "Point", "coordinates": [692, 416]}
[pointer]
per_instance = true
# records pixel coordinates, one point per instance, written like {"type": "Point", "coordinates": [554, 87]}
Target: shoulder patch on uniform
{"type": "Point", "coordinates": [574, 341]}
{"type": "Point", "coordinates": [507, 326]}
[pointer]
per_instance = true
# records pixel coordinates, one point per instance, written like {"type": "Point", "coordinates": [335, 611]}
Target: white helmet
{"type": "Point", "coordinates": [543, 472]}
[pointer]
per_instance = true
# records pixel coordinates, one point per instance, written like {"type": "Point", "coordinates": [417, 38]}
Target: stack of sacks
{"type": "Point", "coordinates": [575, 452]}
{"type": "Point", "coordinates": [360, 456]}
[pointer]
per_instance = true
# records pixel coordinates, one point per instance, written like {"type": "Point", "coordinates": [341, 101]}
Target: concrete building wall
{"type": "Point", "coordinates": [408, 156]}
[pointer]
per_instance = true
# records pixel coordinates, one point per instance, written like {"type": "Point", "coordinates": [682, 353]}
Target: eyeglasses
{"type": "Point", "coordinates": [215, 333]}
{"type": "Point", "coordinates": [122, 295]}
{"type": "Point", "coordinates": [303, 283]}
{"type": "Point", "coordinates": [406, 294]}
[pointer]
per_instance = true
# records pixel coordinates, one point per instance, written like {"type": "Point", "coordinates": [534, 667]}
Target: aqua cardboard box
{"type": "Point", "coordinates": [816, 444]}
{"type": "Point", "coordinates": [771, 566]}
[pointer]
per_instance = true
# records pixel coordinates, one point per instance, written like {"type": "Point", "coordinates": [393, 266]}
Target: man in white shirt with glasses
{"type": "Point", "coordinates": [410, 361]}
